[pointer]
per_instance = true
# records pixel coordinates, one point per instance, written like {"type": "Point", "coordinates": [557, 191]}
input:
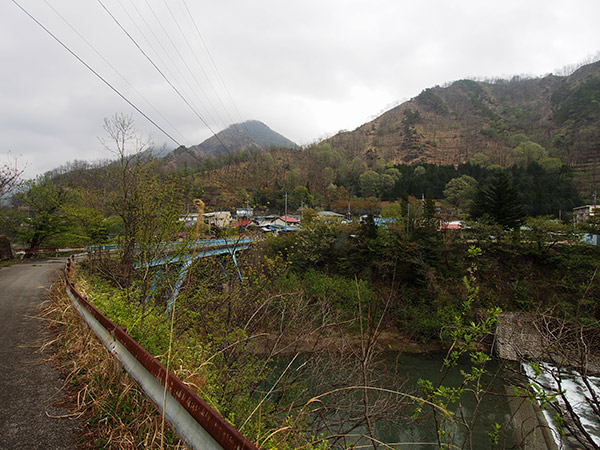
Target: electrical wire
{"type": "Point", "coordinates": [173, 63]}
{"type": "Point", "coordinates": [115, 69]}
{"type": "Point", "coordinates": [233, 126]}
{"type": "Point", "coordinates": [214, 65]}
{"type": "Point", "coordinates": [227, 130]}
{"type": "Point", "coordinates": [129, 102]}
{"type": "Point", "coordinates": [162, 74]}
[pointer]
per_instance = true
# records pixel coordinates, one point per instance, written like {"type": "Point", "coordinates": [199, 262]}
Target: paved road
{"type": "Point", "coordinates": [29, 387]}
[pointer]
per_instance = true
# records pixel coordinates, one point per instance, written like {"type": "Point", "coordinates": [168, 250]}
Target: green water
{"type": "Point", "coordinates": [404, 432]}
{"type": "Point", "coordinates": [421, 433]}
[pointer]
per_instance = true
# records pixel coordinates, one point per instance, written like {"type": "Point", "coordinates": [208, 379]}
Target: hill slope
{"type": "Point", "coordinates": [452, 124]}
{"type": "Point", "coordinates": [251, 134]}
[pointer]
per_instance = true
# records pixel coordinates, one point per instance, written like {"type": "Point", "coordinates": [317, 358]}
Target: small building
{"type": "Point", "coordinates": [453, 225]}
{"type": "Point", "coordinates": [330, 215]}
{"type": "Point", "coordinates": [219, 219]}
{"type": "Point", "coordinates": [189, 219]}
{"type": "Point", "coordinates": [244, 212]}
{"type": "Point", "coordinates": [285, 221]}
{"type": "Point", "coordinates": [583, 213]}
{"type": "Point", "coordinates": [243, 224]}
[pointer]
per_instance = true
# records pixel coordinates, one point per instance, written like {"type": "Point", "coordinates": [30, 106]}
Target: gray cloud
{"type": "Point", "coordinates": [307, 69]}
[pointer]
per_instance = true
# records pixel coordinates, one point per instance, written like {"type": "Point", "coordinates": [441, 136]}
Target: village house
{"type": "Point", "coordinates": [583, 213]}
{"type": "Point", "coordinates": [219, 219]}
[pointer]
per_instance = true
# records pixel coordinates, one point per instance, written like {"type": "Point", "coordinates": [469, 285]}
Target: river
{"type": "Point", "coordinates": [577, 394]}
{"type": "Point", "coordinates": [421, 434]}
{"type": "Point", "coordinates": [403, 431]}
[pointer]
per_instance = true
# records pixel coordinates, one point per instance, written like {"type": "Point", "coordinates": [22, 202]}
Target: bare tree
{"type": "Point", "coordinates": [571, 349]}
{"type": "Point", "coordinates": [10, 175]}
{"type": "Point", "coordinates": [126, 144]}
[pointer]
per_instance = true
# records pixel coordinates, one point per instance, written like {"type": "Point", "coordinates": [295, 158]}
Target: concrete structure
{"type": "Point", "coordinates": [583, 213]}
{"type": "Point", "coordinates": [189, 220]}
{"type": "Point", "coordinates": [219, 219]}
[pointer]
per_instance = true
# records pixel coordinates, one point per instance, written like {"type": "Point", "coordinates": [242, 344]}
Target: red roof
{"type": "Point", "coordinates": [242, 223]}
{"type": "Point", "coordinates": [452, 226]}
{"type": "Point", "coordinates": [288, 219]}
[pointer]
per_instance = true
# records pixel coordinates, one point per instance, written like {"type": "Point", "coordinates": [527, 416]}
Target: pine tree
{"type": "Point", "coordinates": [500, 202]}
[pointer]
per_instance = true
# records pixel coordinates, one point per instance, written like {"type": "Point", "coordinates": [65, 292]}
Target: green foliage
{"type": "Point", "coordinates": [460, 191]}
{"type": "Point", "coordinates": [579, 103]}
{"type": "Point", "coordinates": [499, 202]}
{"type": "Point", "coordinates": [411, 118]}
{"type": "Point", "coordinates": [479, 159]}
{"type": "Point", "coordinates": [432, 101]}
{"type": "Point", "coordinates": [42, 222]}
{"type": "Point", "coordinates": [113, 303]}
{"type": "Point", "coordinates": [528, 152]}
{"type": "Point", "coordinates": [465, 336]}
{"type": "Point", "coordinates": [300, 196]}
{"type": "Point", "coordinates": [370, 184]}
{"type": "Point", "coordinates": [545, 232]}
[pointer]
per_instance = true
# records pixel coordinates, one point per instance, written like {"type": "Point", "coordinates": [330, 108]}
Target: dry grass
{"type": "Point", "coordinates": [115, 411]}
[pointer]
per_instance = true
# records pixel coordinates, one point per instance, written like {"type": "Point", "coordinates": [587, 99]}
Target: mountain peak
{"type": "Point", "coordinates": [251, 134]}
{"type": "Point", "coordinates": [239, 136]}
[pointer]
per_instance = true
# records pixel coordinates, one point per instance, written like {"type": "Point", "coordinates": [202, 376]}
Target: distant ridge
{"type": "Point", "coordinates": [251, 134]}
{"type": "Point", "coordinates": [476, 119]}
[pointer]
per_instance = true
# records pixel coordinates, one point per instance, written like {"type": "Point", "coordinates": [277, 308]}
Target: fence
{"type": "Point", "coordinates": [195, 422]}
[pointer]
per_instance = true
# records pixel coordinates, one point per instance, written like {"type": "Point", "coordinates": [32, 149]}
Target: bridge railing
{"type": "Point", "coordinates": [200, 426]}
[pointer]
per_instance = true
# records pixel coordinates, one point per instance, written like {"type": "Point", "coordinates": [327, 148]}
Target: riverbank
{"type": "Point", "coordinates": [345, 342]}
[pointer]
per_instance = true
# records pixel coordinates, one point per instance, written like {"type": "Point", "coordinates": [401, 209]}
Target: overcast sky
{"type": "Point", "coordinates": [307, 68]}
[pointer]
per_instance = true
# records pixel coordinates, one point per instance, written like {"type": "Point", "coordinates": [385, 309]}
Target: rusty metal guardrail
{"type": "Point", "coordinates": [200, 426]}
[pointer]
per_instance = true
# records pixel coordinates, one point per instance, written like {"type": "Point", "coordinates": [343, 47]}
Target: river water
{"type": "Point", "coordinates": [406, 432]}
{"type": "Point", "coordinates": [422, 434]}
{"type": "Point", "coordinates": [576, 393]}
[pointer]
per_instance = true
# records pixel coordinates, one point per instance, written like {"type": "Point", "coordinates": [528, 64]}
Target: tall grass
{"type": "Point", "coordinates": [115, 411]}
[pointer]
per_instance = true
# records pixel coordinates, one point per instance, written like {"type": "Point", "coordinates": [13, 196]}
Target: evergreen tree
{"type": "Point", "coordinates": [500, 202]}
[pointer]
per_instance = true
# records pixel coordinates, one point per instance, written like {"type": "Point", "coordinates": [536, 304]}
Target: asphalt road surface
{"type": "Point", "coordinates": [30, 388]}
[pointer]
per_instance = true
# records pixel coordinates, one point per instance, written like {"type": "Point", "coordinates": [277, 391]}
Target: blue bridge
{"type": "Point", "coordinates": [186, 255]}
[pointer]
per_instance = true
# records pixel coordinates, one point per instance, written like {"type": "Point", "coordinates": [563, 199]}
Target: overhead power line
{"type": "Point", "coordinates": [177, 23]}
{"type": "Point", "coordinates": [114, 68]}
{"type": "Point", "coordinates": [215, 67]}
{"type": "Point", "coordinates": [208, 104]}
{"type": "Point", "coordinates": [87, 66]}
{"type": "Point", "coordinates": [161, 73]}
{"type": "Point", "coordinates": [166, 67]}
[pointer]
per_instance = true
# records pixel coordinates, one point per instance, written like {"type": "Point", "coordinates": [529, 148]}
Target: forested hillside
{"type": "Point", "coordinates": [504, 122]}
{"type": "Point", "coordinates": [546, 127]}
{"type": "Point", "coordinates": [446, 145]}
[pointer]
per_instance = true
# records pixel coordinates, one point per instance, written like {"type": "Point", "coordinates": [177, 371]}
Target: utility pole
{"type": "Point", "coordinates": [285, 214]}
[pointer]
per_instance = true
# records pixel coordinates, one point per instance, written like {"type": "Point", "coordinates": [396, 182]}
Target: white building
{"type": "Point", "coordinates": [219, 219]}
{"type": "Point", "coordinates": [189, 220]}
{"type": "Point", "coordinates": [583, 213]}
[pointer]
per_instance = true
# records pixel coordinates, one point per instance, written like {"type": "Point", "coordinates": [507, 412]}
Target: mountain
{"type": "Point", "coordinates": [487, 121]}
{"type": "Point", "coordinates": [251, 134]}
